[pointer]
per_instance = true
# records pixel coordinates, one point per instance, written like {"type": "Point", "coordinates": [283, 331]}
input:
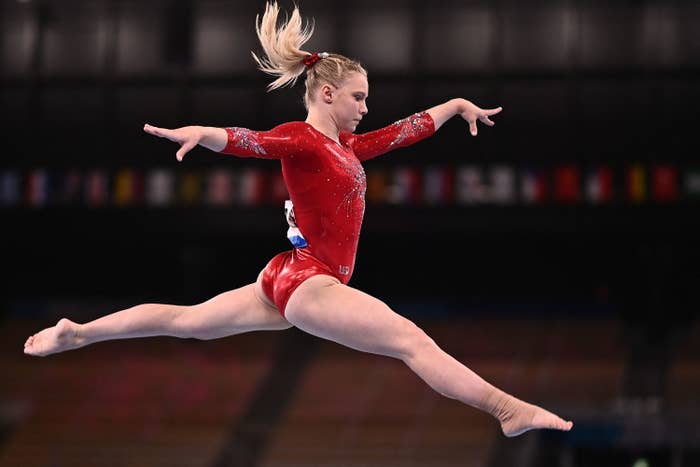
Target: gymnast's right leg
{"type": "Point", "coordinates": [233, 312]}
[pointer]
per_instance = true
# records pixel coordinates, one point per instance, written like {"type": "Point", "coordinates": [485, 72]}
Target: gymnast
{"type": "Point", "coordinates": [306, 286]}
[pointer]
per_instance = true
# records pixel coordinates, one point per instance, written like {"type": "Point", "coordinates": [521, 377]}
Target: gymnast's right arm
{"type": "Point", "coordinates": [190, 136]}
{"type": "Point", "coordinates": [242, 142]}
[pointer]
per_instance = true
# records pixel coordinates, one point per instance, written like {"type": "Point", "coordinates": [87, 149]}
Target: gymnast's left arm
{"type": "Point", "coordinates": [466, 109]}
{"type": "Point", "coordinates": [417, 127]}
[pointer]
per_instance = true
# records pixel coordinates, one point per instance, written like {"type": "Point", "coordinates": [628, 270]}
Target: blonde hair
{"type": "Point", "coordinates": [284, 57]}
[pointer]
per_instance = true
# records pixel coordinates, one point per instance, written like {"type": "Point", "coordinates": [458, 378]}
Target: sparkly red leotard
{"type": "Point", "coordinates": [326, 184]}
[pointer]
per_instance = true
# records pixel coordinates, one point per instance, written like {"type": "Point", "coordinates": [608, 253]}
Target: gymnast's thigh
{"type": "Point", "coordinates": [326, 308]}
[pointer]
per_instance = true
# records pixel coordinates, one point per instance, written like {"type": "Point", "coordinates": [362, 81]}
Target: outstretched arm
{"type": "Point", "coordinates": [418, 126]}
{"type": "Point", "coordinates": [190, 136]}
{"type": "Point", "coordinates": [470, 112]}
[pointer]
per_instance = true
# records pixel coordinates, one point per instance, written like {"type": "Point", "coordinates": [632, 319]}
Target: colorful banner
{"type": "Point", "coordinates": [664, 183]}
{"type": "Point", "coordinates": [97, 188]}
{"type": "Point", "coordinates": [599, 185]}
{"type": "Point", "coordinates": [691, 183]}
{"type": "Point", "coordinates": [405, 187]}
{"type": "Point", "coordinates": [252, 186]}
{"type": "Point", "coordinates": [635, 183]}
{"type": "Point", "coordinates": [377, 186]}
{"type": "Point", "coordinates": [276, 193]}
{"type": "Point", "coordinates": [493, 184]}
{"type": "Point", "coordinates": [160, 188]}
{"type": "Point", "coordinates": [10, 188]}
{"type": "Point", "coordinates": [128, 188]}
{"type": "Point", "coordinates": [190, 188]}
{"type": "Point", "coordinates": [220, 188]}
{"type": "Point", "coordinates": [502, 189]}
{"type": "Point", "coordinates": [37, 189]}
{"type": "Point", "coordinates": [438, 185]}
{"type": "Point", "coordinates": [469, 186]}
{"type": "Point", "coordinates": [567, 187]}
{"type": "Point", "coordinates": [534, 186]}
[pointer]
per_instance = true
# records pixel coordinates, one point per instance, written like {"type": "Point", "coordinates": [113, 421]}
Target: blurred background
{"type": "Point", "coordinates": [555, 254]}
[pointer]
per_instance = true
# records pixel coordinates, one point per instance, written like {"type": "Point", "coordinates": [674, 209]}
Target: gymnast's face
{"type": "Point", "coordinates": [349, 101]}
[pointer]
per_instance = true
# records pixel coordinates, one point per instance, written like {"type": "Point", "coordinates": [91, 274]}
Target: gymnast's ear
{"type": "Point", "coordinates": [326, 93]}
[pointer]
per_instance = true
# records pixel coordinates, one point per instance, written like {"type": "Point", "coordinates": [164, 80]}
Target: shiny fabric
{"type": "Point", "coordinates": [326, 184]}
{"type": "Point", "coordinates": [286, 271]}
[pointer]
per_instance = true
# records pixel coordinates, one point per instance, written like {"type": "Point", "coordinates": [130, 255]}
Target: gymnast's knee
{"type": "Point", "coordinates": [186, 324]}
{"type": "Point", "coordinates": [412, 341]}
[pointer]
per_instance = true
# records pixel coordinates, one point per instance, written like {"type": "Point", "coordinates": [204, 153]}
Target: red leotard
{"type": "Point", "coordinates": [326, 184]}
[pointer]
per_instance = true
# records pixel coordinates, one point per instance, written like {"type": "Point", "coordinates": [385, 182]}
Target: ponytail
{"type": "Point", "coordinates": [283, 55]}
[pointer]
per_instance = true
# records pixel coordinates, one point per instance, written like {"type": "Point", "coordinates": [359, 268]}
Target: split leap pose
{"type": "Point", "coordinates": [307, 286]}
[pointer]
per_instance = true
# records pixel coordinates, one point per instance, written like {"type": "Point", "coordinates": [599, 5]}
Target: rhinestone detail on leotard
{"type": "Point", "coordinates": [246, 139]}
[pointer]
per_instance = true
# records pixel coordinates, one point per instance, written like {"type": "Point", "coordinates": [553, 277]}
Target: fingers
{"type": "Point", "coordinates": [472, 127]}
{"type": "Point", "coordinates": [487, 113]}
{"type": "Point", "coordinates": [480, 115]}
{"type": "Point", "coordinates": [486, 120]}
{"type": "Point", "coordinates": [184, 149]}
{"type": "Point", "coordinates": [160, 132]}
{"type": "Point", "coordinates": [152, 130]}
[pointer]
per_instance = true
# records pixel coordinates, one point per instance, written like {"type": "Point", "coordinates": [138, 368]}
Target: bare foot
{"type": "Point", "coordinates": [64, 336]}
{"type": "Point", "coordinates": [517, 417]}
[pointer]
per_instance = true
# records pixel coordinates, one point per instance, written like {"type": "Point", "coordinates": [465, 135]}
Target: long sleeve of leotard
{"type": "Point", "coordinates": [276, 143]}
{"type": "Point", "coordinates": [399, 134]}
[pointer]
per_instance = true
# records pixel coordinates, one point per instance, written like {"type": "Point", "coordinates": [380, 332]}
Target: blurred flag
{"type": "Point", "coordinates": [10, 188]}
{"type": "Point", "coordinates": [277, 193]}
{"type": "Point", "coordinates": [160, 188]}
{"type": "Point", "coordinates": [138, 187]}
{"type": "Point", "coordinates": [469, 186]}
{"type": "Point", "coordinates": [190, 189]}
{"type": "Point", "coordinates": [567, 184]}
{"type": "Point", "coordinates": [599, 185]}
{"type": "Point", "coordinates": [122, 188]}
{"type": "Point", "coordinates": [635, 183]}
{"type": "Point", "coordinates": [438, 185]}
{"type": "Point", "coordinates": [534, 186]}
{"type": "Point", "coordinates": [69, 189]}
{"type": "Point", "coordinates": [377, 186]}
{"type": "Point", "coordinates": [128, 188]}
{"type": "Point", "coordinates": [38, 190]}
{"type": "Point", "coordinates": [664, 183]}
{"type": "Point", "coordinates": [691, 183]}
{"type": "Point", "coordinates": [405, 186]}
{"type": "Point", "coordinates": [252, 186]}
{"type": "Point", "coordinates": [220, 187]}
{"type": "Point", "coordinates": [502, 190]}
{"type": "Point", "coordinates": [96, 188]}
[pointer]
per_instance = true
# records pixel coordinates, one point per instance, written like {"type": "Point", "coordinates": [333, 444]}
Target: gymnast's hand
{"type": "Point", "coordinates": [187, 137]}
{"type": "Point", "coordinates": [471, 113]}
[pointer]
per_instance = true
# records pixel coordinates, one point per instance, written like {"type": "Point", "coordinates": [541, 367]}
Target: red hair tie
{"type": "Point", "coordinates": [311, 59]}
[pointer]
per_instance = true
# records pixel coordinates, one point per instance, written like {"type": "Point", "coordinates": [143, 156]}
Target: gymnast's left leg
{"type": "Point", "coordinates": [324, 307]}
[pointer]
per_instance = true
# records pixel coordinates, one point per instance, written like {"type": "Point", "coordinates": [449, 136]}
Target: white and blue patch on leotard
{"type": "Point", "coordinates": [293, 233]}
